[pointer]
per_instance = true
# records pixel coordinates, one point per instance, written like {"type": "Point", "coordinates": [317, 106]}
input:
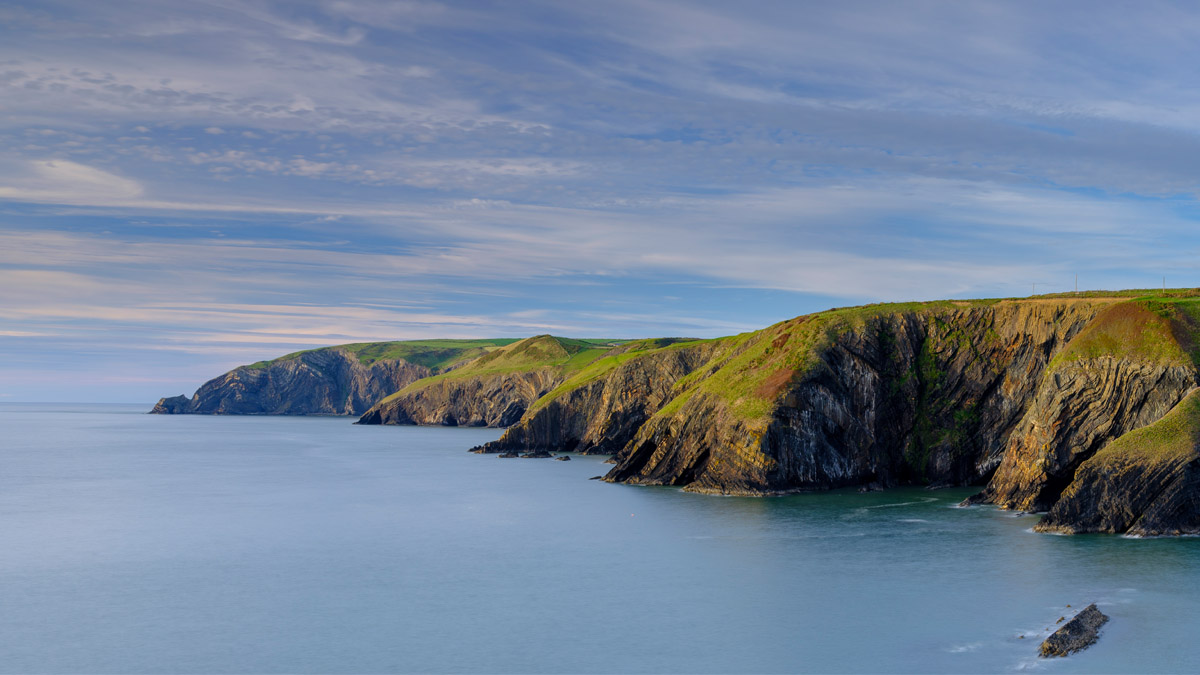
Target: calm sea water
{"type": "Point", "coordinates": [142, 543]}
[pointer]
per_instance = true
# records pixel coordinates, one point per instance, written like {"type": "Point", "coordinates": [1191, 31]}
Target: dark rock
{"type": "Point", "coordinates": [1078, 410]}
{"type": "Point", "coordinates": [537, 455]}
{"type": "Point", "coordinates": [927, 396]}
{"type": "Point", "coordinates": [1146, 483]}
{"type": "Point", "coordinates": [171, 406]}
{"type": "Point", "coordinates": [509, 455]}
{"type": "Point", "coordinates": [600, 417]}
{"type": "Point", "coordinates": [494, 400]}
{"type": "Point", "coordinates": [871, 487]}
{"type": "Point", "coordinates": [1076, 634]}
{"type": "Point", "coordinates": [596, 478]}
{"type": "Point", "coordinates": [328, 381]}
{"type": "Point", "coordinates": [562, 458]}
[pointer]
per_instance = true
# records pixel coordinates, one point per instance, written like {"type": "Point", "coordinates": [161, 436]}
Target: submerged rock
{"type": "Point", "coordinates": [1076, 634]}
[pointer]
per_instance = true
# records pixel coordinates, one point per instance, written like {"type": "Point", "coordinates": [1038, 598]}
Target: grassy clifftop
{"type": "Point", "coordinates": [1151, 329]}
{"type": "Point", "coordinates": [433, 354]}
{"type": "Point", "coordinates": [564, 355]}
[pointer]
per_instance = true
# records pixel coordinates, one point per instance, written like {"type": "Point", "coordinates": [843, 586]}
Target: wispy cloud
{"type": "Point", "coordinates": [214, 182]}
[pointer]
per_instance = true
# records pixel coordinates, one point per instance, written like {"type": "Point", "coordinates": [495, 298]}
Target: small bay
{"type": "Point", "coordinates": [145, 543]}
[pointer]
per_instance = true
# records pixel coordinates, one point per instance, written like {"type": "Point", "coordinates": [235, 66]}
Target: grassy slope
{"type": "Point", "coordinates": [542, 351]}
{"type": "Point", "coordinates": [1172, 439]}
{"type": "Point", "coordinates": [608, 361]}
{"type": "Point", "coordinates": [1156, 328]}
{"type": "Point", "coordinates": [752, 369]}
{"type": "Point", "coordinates": [758, 366]}
{"type": "Point", "coordinates": [435, 354]}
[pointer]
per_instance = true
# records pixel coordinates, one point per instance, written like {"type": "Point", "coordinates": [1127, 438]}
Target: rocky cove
{"type": "Point", "coordinates": [1081, 407]}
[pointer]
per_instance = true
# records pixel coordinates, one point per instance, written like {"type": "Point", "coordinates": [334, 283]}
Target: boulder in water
{"type": "Point", "coordinates": [1077, 634]}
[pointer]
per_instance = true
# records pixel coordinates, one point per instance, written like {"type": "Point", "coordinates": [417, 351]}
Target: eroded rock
{"type": "Point", "coordinates": [1077, 634]}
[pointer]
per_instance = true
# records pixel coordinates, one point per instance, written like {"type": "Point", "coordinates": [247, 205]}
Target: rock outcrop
{"type": "Point", "coordinates": [1077, 634]}
{"type": "Point", "coordinates": [602, 413]}
{"type": "Point", "coordinates": [1017, 395]}
{"type": "Point", "coordinates": [927, 396]}
{"type": "Point", "coordinates": [1107, 384]}
{"type": "Point", "coordinates": [321, 382]}
{"type": "Point", "coordinates": [496, 400]}
{"type": "Point", "coordinates": [493, 390]}
{"type": "Point", "coordinates": [1146, 483]}
{"type": "Point", "coordinates": [343, 380]}
{"type": "Point", "coordinates": [172, 405]}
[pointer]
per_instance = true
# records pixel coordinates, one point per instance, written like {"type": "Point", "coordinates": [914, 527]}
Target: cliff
{"type": "Point", "coordinates": [1127, 369]}
{"type": "Point", "coordinates": [922, 394]}
{"type": "Point", "coordinates": [600, 408]}
{"type": "Point", "coordinates": [344, 380]}
{"type": "Point", "coordinates": [1074, 405]}
{"type": "Point", "coordinates": [1020, 396]}
{"type": "Point", "coordinates": [493, 390]}
{"type": "Point", "coordinates": [1145, 483]}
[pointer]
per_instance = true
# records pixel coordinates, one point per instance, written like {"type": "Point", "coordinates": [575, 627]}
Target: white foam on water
{"type": "Point", "coordinates": [888, 506]}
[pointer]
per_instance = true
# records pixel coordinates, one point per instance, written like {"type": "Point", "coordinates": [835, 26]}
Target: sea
{"type": "Point", "coordinates": [135, 543]}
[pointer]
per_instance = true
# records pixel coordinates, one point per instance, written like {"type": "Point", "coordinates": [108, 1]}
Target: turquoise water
{"type": "Point", "coordinates": [142, 543]}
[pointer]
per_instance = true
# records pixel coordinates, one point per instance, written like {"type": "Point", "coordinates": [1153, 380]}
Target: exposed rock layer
{"type": "Point", "coordinates": [1023, 396]}
{"type": "Point", "coordinates": [928, 397]}
{"type": "Point", "coordinates": [321, 382]}
{"type": "Point", "coordinates": [601, 416]}
{"type": "Point", "coordinates": [1078, 410]}
{"type": "Point", "coordinates": [486, 401]}
{"type": "Point", "coordinates": [1145, 483]}
{"type": "Point", "coordinates": [1077, 634]}
{"type": "Point", "coordinates": [1017, 395]}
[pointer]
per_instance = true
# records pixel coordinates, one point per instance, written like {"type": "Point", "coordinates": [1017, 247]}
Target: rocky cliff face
{"type": "Point", "coordinates": [1068, 405]}
{"type": "Point", "coordinates": [496, 400]}
{"type": "Point", "coordinates": [927, 397]}
{"type": "Point", "coordinates": [1022, 396]}
{"type": "Point", "coordinates": [1145, 483]}
{"type": "Point", "coordinates": [493, 390]}
{"type": "Point", "coordinates": [321, 382]}
{"type": "Point", "coordinates": [601, 415]}
{"type": "Point", "coordinates": [1079, 409]}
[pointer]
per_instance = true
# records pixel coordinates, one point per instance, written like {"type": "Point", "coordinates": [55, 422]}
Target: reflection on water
{"type": "Point", "coordinates": [216, 544]}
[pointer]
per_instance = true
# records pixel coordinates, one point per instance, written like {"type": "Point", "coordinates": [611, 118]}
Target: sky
{"type": "Point", "coordinates": [190, 186]}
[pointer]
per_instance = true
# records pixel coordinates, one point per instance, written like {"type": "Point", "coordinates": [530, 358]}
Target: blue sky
{"type": "Point", "coordinates": [188, 186]}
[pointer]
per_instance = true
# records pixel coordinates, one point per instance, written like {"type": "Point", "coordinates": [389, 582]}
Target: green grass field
{"type": "Point", "coordinates": [566, 355]}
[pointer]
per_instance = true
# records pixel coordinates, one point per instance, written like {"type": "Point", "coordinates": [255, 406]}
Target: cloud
{"type": "Point", "coordinates": [238, 178]}
{"type": "Point", "coordinates": [61, 181]}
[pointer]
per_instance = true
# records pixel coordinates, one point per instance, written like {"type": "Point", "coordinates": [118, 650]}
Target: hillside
{"type": "Point", "coordinates": [343, 380]}
{"type": "Point", "coordinates": [1016, 395]}
{"type": "Point", "coordinates": [1024, 397]}
{"type": "Point", "coordinates": [494, 389]}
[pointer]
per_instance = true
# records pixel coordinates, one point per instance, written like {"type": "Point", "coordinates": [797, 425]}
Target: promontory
{"type": "Point", "coordinates": [1079, 405]}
